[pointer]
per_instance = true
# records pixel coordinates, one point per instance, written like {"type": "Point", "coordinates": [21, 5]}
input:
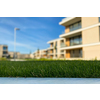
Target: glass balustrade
{"type": "Point", "coordinates": [76, 40]}
{"type": "Point", "coordinates": [75, 26]}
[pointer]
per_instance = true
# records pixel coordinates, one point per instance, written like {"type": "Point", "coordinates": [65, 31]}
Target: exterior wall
{"type": "Point", "coordinates": [51, 51]}
{"type": "Point", "coordinates": [91, 52]}
{"type": "Point", "coordinates": [90, 35]}
{"type": "Point", "coordinates": [67, 29]}
{"type": "Point", "coordinates": [1, 51]}
{"type": "Point", "coordinates": [67, 53]}
{"type": "Point", "coordinates": [51, 45]}
{"type": "Point", "coordinates": [67, 42]}
{"type": "Point", "coordinates": [12, 54]}
{"type": "Point", "coordinates": [51, 56]}
{"type": "Point", "coordinates": [31, 56]}
{"type": "Point", "coordinates": [23, 56]}
{"type": "Point", "coordinates": [88, 21]}
{"type": "Point", "coordinates": [58, 49]}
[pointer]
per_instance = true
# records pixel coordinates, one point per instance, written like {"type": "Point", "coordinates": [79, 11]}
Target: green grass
{"type": "Point", "coordinates": [58, 68]}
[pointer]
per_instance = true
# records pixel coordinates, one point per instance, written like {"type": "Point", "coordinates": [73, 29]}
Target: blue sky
{"type": "Point", "coordinates": [34, 32]}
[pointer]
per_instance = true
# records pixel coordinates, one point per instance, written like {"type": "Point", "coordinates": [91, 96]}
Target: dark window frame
{"type": "Point", "coordinates": [72, 40]}
{"type": "Point", "coordinates": [71, 27]}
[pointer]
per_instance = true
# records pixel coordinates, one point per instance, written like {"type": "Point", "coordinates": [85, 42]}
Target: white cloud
{"type": "Point", "coordinates": [5, 31]}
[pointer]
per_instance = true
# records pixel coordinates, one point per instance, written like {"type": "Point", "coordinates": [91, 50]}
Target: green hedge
{"type": "Point", "coordinates": [67, 69]}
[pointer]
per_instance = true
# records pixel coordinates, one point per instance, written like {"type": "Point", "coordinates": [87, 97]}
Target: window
{"type": "Point", "coordinates": [71, 41]}
{"type": "Point", "coordinates": [75, 26]}
{"type": "Point", "coordinates": [76, 40]}
{"type": "Point", "coordinates": [79, 24]}
{"type": "Point", "coordinates": [4, 52]}
{"type": "Point", "coordinates": [4, 48]}
{"type": "Point", "coordinates": [73, 53]}
{"type": "Point", "coordinates": [80, 39]}
{"type": "Point", "coordinates": [80, 52]}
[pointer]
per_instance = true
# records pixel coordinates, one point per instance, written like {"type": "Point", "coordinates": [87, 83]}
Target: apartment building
{"type": "Point", "coordinates": [3, 51]}
{"type": "Point", "coordinates": [44, 53]}
{"type": "Point", "coordinates": [25, 56]}
{"type": "Point", "coordinates": [54, 49]}
{"type": "Point", "coordinates": [11, 54]}
{"type": "Point", "coordinates": [80, 40]}
{"type": "Point", "coordinates": [82, 37]}
{"type": "Point", "coordinates": [37, 54]}
{"type": "Point", "coordinates": [41, 54]}
{"type": "Point", "coordinates": [19, 55]}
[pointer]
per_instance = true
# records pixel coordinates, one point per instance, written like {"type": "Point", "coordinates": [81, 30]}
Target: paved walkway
{"type": "Point", "coordinates": [17, 60]}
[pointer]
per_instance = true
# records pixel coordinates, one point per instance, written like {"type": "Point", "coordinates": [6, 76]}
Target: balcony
{"type": "Point", "coordinates": [51, 53]}
{"type": "Point", "coordinates": [44, 53]}
{"type": "Point", "coordinates": [75, 26]}
{"type": "Point", "coordinates": [69, 20]}
{"type": "Point", "coordinates": [63, 45]}
{"type": "Point", "coordinates": [66, 20]}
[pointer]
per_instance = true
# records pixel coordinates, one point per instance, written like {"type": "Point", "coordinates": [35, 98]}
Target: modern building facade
{"type": "Point", "coordinates": [54, 49]}
{"type": "Point", "coordinates": [40, 54]}
{"type": "Point", "coordinates": [44, 53]}
{"type": "Point", "coordinates": [82, 35]}
{"type": "Point", "coordinates": [3, 51]}
{"type": "Point", "coordinates": [19, 55]}
{"type": "Point", "coordinates": [11, 54]}
{"type": "Point", "coordinates": [81, 39]}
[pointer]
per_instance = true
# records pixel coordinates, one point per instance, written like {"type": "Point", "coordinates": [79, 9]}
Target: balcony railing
{"type": "Point", "coordinates": [75, 28]}
{"type": "Point", "coordinates": [74, 44]}
{"type": "Point", "coordinates": [63, 45]}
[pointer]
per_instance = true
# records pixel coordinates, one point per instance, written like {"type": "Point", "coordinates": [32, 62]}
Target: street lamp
{"type": "Point", "coordinates": [15, 41]}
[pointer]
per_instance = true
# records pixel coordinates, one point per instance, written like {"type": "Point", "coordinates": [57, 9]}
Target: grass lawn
{"type": "Point", "coordinates": [58, 68]}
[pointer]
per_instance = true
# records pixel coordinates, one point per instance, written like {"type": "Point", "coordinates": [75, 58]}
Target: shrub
{"type": "Point", "coordinates": [3, 59]}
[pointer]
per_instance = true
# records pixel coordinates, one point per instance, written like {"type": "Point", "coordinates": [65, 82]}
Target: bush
{"type": "Point", "coordinates": [50, 68]}
{"type": "Point", "coordinates": [3, 59]}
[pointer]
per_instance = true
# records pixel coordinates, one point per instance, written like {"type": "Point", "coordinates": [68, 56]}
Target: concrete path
{"type": "Point", "coordinates": [17, 60]}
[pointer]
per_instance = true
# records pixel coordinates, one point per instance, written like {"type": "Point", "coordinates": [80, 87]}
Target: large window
{"type": "Point", "coordinates": [80, 52]}
{"type": "Point", "coordinates": [76, 40]}
{"type": "Point", "coordinates": [4, 48]}
{"type": "Point", "coordinates": [76, 53]}
{"type": "Point", "coordinates": [75, 26]}
{"type": "Point", "coordinates": [4, 52]}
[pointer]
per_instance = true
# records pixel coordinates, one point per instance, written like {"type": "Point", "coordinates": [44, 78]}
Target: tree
{"type": "Point", "coordinates": [55, 47]}
{"type": "Point", "coordinates": [30, 52]}
{"type": "Point", "coordinates": [38, 50]}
